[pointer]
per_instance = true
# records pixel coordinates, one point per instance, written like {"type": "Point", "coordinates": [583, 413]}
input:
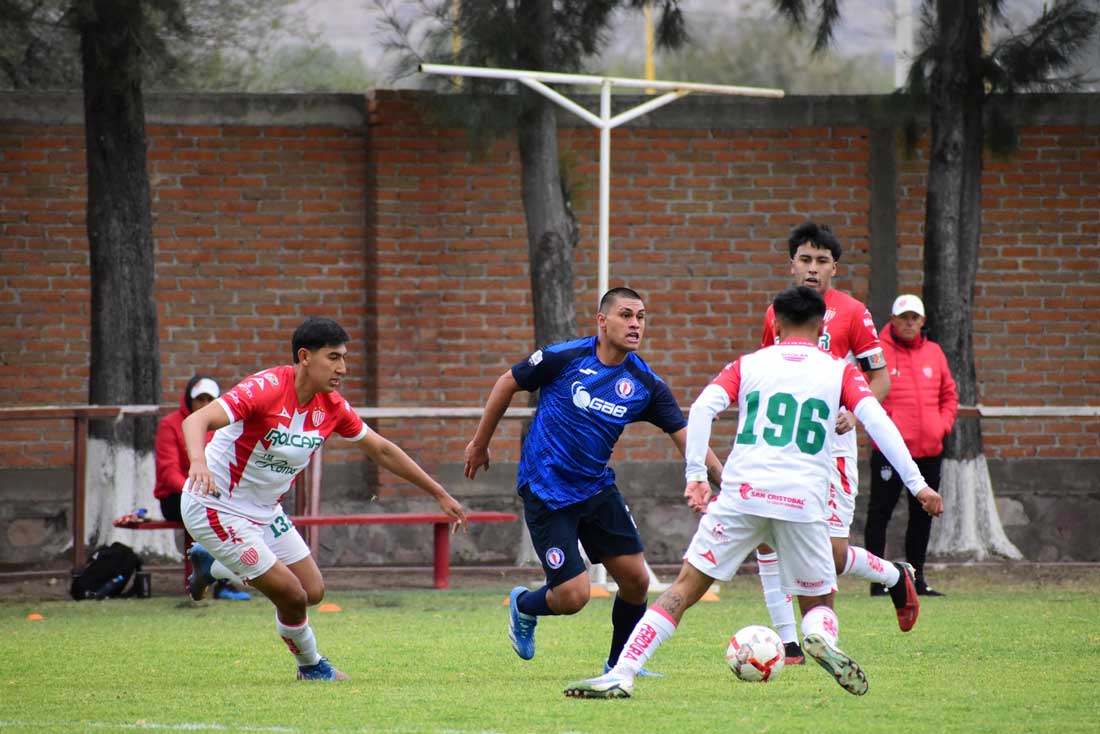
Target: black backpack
{"type": "Point", "coordinates": [108, 572]}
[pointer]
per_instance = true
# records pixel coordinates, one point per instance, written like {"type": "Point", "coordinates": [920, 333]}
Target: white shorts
{"type": "Point", "coordinates": [725, 538]}
{"type": "Point", "coordinates": [843, 488]}
{"type": "Point", "coordinates": [245, 547]}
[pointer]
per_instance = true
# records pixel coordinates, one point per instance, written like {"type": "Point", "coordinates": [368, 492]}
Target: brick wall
{"type": "Point", "coordinates": [418, 247]}
{"type": "Point", "coordinates": [256, 226]}
{"type": "Point", "coordinates": [1038, 286]}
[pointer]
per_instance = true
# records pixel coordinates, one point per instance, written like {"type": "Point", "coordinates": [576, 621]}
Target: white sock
{"type": "Point", "coordinates": [652, 629]}
{"type": "Point", "coordinates": [822, 621]}
{"type": "Point", "coordinates": [778, 603]}
{"type": "Point", "coordinates": [867, 566]}
{"type": "Point", "coordinates": [300, 641]}
{"type": "Point", "coordinates": [220, 571]}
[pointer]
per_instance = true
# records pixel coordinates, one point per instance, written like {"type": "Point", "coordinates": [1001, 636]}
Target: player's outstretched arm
{"type": "Point", "coordinates": [392, 458]}
{"type": "Point", "coordinates": [889, 440]}
{"type": "Point", "coordinates": [931, 501]}
{"type": "Point", "coordinates": [210, 417]}
{"type": "Point", "coordinates": [476, 455]}
{"type": "Point", "coordinates": [879, 382]}
{"type": "Point", "coordinates": [698, 496]}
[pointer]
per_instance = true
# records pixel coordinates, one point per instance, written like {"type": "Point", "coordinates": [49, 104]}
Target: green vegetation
{"type": "Point", "coordinates": [995, 655]}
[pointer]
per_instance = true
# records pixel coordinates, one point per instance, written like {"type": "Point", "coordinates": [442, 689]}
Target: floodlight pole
{"type": "Point", "coordinates": [538, 80]}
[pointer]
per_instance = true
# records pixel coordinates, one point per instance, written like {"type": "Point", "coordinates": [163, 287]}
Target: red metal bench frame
{"type": "Point", "coordinates": [441, 554]}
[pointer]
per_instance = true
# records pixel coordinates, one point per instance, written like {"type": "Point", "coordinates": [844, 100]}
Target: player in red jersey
{"type": "Point", "coordinates": [267, 427]}
{"type": "Point", "coordinates": [848, 333]}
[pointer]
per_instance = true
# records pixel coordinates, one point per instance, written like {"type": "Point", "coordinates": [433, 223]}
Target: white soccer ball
{"type": "Point", "coordinates": [756, 654]}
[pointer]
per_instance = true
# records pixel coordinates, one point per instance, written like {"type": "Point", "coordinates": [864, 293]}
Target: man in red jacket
{"type": "Point", "coordinates": [922, 403]}
{"type": "Point", "coordinates": [173, 464]}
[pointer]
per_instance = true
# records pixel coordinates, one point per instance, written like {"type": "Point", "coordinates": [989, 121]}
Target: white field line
{"type": "Point", "coordinates": [141, 725]}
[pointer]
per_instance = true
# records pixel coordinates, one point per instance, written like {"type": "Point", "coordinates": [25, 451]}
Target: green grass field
{"type": "Point", "coordinates": [999, 654]}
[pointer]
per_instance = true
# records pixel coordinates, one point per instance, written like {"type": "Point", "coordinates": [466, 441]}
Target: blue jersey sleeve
{"type": "Point", "coordinates": [663, 411]}
{"type": "Point", "coordinates": [540, 369]}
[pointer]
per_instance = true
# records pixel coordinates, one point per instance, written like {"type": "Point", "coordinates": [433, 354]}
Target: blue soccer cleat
{"type": "Point", "coordinates": [200, 577]}
{"type": "Point", "coordinates": [521, 627]}
{"type": "Point", "coordinates": [323, 670]}
{"type": "Point", "coordinates": [224, 590]}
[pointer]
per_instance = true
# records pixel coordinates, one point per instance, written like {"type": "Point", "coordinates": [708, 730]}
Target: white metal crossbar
{"type": "Point", "coordinates": [605, 122]}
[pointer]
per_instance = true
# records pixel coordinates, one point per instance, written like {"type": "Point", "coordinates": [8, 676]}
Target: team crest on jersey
{"type": "Point", "coordinates": [555, 557]}
{"type": "Point", "coordinates": [829, 314]}
{"type": "Point", "coordinates": [272, 378]}
{"type": "Point", "coordinates": [317, 416]}
{"type": "Point", "coordinates": [886, 473]}
{"type": "Point", "coordinates": [927, 371]}
{"type": "Point", "coordinates": [624, 387]}
{"type": "Point", "coordinates": [250, 557]}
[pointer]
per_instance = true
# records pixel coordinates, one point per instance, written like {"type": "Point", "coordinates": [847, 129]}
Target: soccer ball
{"type": "Point", "coordinates": [756, 654]}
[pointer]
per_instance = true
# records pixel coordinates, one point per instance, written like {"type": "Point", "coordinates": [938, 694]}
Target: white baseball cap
{"type": "Point", "coordinates": [205, 386]}
{"type": "Point", "coordinates": [907, 303]}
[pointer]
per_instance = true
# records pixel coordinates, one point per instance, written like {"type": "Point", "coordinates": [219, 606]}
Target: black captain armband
{"type": "Point", "coordinates": [874, 361]}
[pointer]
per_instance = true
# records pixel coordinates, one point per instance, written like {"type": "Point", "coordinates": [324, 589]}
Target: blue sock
{"type": "Point", "coordinates": [534, 603]}
{"type": "Point", "coordinates": [624, 616]}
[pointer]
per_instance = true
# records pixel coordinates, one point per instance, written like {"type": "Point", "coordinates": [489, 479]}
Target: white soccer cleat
{"type": "Point", "coordinates": [608, 685]}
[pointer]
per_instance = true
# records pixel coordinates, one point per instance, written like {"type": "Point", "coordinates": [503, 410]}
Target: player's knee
{"type": "Point", "coordinates": [291, 599]}
{"type": "Point", "coordinates": [315, 594]}
{"type": "Point", "coordinates": [634, 586]}
{"type": "Point", "coordinates": [570, 599]}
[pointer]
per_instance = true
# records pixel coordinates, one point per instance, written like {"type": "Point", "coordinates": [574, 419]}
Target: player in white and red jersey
{"type": "Point", "coordinates": [848, 333]}
{"type": "Point", "coordinates": [774, 488]}
{"type": "Point", "coordinates": [267, 427]}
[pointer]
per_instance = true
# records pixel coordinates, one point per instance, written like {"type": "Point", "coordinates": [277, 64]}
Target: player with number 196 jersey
{"type": "Point", "coordinates": [268, 427]}
{"type": "Point", "coordinates": [848, 333]}
{"type": "Point", "coordinates": [774, 488]}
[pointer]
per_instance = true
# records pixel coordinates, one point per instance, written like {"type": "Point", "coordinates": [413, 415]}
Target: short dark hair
{"type": "Point", "coordinates": [818, 235]}
{"type": "Point", "coordinates": [614, 295]}
{"type": "Point", "coordinates": [315, 333]}
{"type": "Point", "coordinates": [799, 305]}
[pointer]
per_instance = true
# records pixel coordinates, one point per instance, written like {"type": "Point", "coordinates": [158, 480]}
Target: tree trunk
{"type": "Point", "coordinates": [551, 228]}
{"type": "Point", "coordinates": [952, 234]}
{"type": "Point", "coordinates": [125, 359]}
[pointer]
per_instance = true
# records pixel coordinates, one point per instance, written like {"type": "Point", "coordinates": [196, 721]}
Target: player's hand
{"type": "Point", "coordinates": [931, 501]}
{"type": "Point", "coordinates": [697, 495]}
{"type": "Point", "coordinates": [845, 422]}
{"type": "Point", "coordinates": [477, 457]}
{"type": "Point", "coordinates": [200, 481]}
{"type": "Point", "coordinates": [454, 509]}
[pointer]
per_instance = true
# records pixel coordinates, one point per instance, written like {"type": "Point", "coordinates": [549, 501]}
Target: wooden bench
{"type": "Point", "coordinates": [441, 556]}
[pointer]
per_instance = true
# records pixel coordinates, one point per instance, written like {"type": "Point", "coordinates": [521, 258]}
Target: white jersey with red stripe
{"type": "Point", "coordinates": [788, 397]}
{"type": "Point", "coordinates": [269, 440]}
{"type": "Point", "coordinates": [848, 333]}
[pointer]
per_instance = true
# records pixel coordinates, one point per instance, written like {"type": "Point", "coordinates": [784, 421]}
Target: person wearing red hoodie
{"type": "Point", "coordinates": [922, 404]}
{"type": "Point", "coordinates": [172, 462]}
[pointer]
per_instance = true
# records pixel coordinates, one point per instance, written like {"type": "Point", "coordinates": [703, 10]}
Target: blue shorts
{"type": "Point", "coordinates": [602, 523]}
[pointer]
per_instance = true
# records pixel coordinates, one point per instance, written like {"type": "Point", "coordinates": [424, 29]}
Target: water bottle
{"type": "Point", "coordinates": [110, 587]}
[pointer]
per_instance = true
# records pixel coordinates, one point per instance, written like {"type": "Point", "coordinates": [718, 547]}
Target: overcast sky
{"type": "Point", "coordinates": [868, 25]}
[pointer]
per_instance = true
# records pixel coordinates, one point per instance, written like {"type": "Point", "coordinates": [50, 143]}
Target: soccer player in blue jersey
{"type": "Point", "coordinates": [590, 389]}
